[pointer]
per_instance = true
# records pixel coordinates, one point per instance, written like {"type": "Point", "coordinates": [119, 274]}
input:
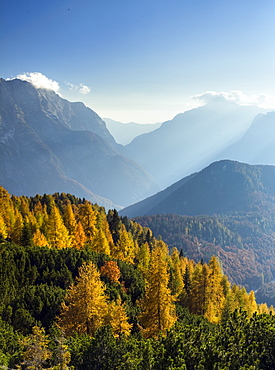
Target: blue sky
{"type": "Point", "coordinates": [142, 60]}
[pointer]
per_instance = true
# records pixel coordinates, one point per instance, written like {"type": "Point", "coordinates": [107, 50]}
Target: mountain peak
{"type": "Point", "coordinates": [221, 188]}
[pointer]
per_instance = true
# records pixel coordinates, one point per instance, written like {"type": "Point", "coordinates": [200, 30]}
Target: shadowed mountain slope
{"type": "Point", "coordinates": [48, 144]}
{"type": "Point", "coordinates": [221, 188]}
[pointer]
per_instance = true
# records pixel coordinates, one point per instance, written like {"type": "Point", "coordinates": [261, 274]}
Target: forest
{"type": "Point", "coordinates": [85, 289]}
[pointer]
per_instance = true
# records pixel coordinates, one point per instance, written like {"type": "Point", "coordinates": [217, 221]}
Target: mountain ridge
{"type": "Point", "coordinates": [46, 138]}
{"type": "Point", "coordinates": [223, 187]}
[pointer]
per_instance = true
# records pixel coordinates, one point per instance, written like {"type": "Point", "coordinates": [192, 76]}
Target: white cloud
{"type": "Point", "coordinates": [261, 100]}
{"type": "Point", "coordinates": [83, 89]}
{"type": "Point", "coordinates": [40, 81]}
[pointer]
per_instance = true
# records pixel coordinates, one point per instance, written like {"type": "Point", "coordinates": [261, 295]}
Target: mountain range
{"type": "Point", "coordinates": [48, 144]}
{"type": "Point", "coordinates": [124, 133]}
{"type": "Point", "coordinates": [192, 140]}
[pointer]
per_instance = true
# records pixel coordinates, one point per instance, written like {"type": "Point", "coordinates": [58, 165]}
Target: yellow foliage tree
{"type": "Point", "coordinates": [87, 217]}
{"type": "Point", "coordinates": [100, 243]}
{"type": "Point", "coordinates": [69, 219]}
{"type": "Point", "coordinates": [125, 247]}
{"type": "Point", "coordinates": [158, 308]}
{"type": "Point", "coordinates": [39, 239]}
{"type": "Point", "coordinates": [118, 319]}
{"type": "Point", "coordinates": [198, 291]}
{"type": "Point", "coordinates": [17, 227]}
{"type": "Point", "coordinates": [176, 272]}
{"type": "Point", "coordinates": [143, 258]}
{"type": "Point", "coordinates": [3, 228]}
{"type": "Point", "coordinates": [86, 306]}
{"type": "Point", "coordinates": [79, 236]}
{"type": "Point", "coordinates": [215, 291]}
{"type": "Point", "coordinates": [36, 351]}
{"type": "Point", "coordinates": [58, 234]}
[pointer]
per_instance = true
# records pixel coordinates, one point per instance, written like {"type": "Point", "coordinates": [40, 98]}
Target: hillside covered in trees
{"type": "Point", "coordinates": [86, 289]}
{"type": "Point", "coordinates": [244, 242]}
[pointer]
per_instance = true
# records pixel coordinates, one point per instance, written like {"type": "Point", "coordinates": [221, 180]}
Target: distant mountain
{"type": "Point", "coordinates": [257, 146]}
{"type": "Point", "coordinates": [124, 133]}
{"type": "Point", "coordinates": [191, 140]}
{"type": "Point", "coordinates": [227, 210]}
{"type": "Point", "coordinates": [48, 144]}
{"type": "Point", "coordinates": [223, 187]}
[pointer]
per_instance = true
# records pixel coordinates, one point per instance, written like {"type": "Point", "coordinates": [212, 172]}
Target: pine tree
{"type": "Point", "coordinates": [86, 307]}
{"type": "Point", "coordinates": [158, 305]}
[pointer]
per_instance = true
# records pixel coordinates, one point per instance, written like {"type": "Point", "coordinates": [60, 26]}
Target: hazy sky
{"type": "Point", "coordinates": [142, 60]}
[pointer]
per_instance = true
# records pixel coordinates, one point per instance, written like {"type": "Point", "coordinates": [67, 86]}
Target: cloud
{"type": "Point", "coordinates": [236, 96]}
{"type": "Point", "coordinates": [83, 89]}
{"type": "Point", "coordinates": [40, 81]}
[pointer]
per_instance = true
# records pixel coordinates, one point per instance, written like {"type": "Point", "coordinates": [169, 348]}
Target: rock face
{"type": "Point", "coordinates": [48, 144]}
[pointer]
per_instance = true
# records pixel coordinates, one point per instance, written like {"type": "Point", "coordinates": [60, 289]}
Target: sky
{"type": "Point", "coordinates": [145, 60]}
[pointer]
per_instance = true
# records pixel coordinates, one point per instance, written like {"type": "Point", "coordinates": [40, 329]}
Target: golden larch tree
{"type": "Point", "coordinates": [79, 236]}
{"type": "Point", "coordinates": [86, 306]}
{"type": "Point", "coordinates": [198, 290]}
{"type": "Point", "coordinates": [69, 219]}
{"type": "Point", "coordinates": [100, 243]}
{"type": "Point", "coordinates": [125, 247]}
{"type": "Point", "coordinates": [87, 217]}
{"type": "Point", "coordinates": [36, 351]}
{"type": "Point", "coordinates": [158, 308]}
{"type": "Point", "coordinates": [57, 232]}
{"type": "Point", "coordinates": [3, 228]}
{"type": "Point", "coordinates": [118, 319]}
{"type": "Point", "coordinates": [215, 291]}
{"type": "Point", "coordinates": [39, 239]}
{"type": "Point", "coordinates": [176, 272]}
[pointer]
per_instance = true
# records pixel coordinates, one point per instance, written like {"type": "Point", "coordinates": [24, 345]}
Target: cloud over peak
{"type": "Point", "coordinates": [83, 89]}
{"type": "Point", "coordinates": [40, 81]}
{"type": "Point", "coordinates": [235, 96]}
